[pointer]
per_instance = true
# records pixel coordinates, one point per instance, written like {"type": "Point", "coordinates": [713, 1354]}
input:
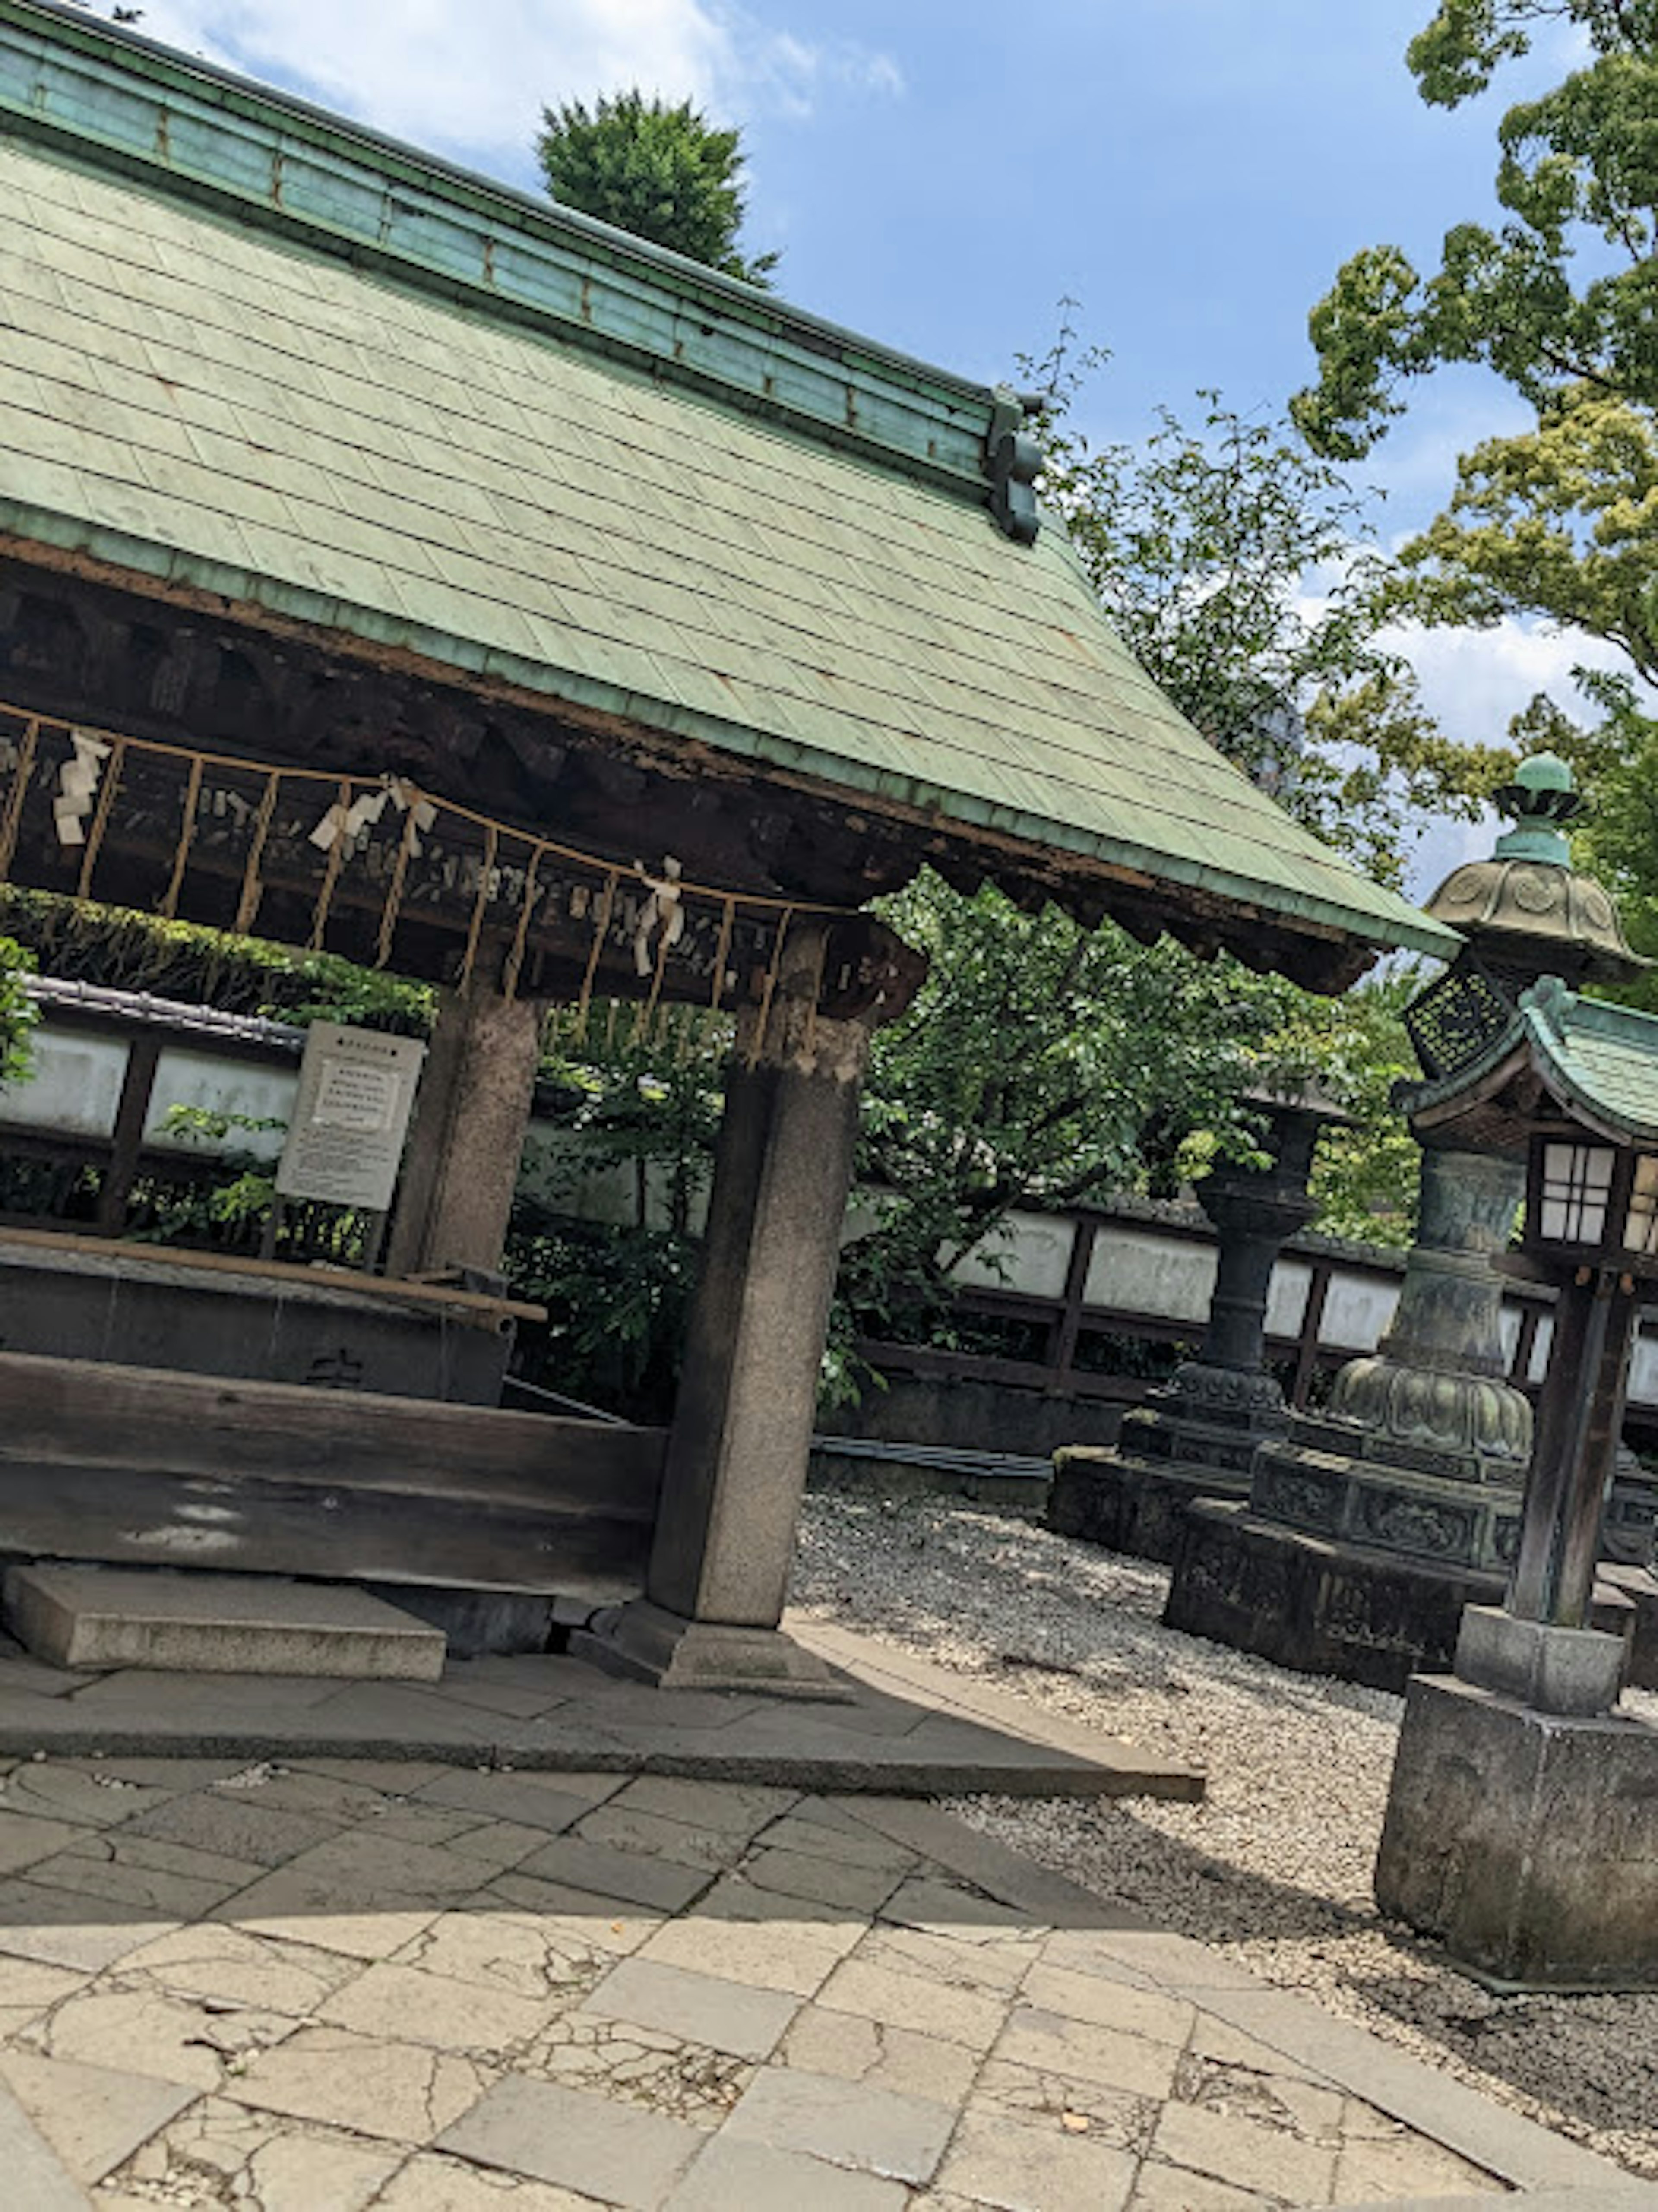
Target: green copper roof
{"type": "Point", "coordinates": [251, 351]}
{"type": "Point", "coordinates": [1600, 1059]}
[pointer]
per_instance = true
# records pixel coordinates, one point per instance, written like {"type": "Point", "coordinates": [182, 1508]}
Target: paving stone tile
{"type": "Point", "coordinates": [723, 2014]}
{"type": "Point", "coordinates": [590, 2144]}
{"type": "Point", "coordinates": [390, 1713]}
{"type": "Point", "coordinates": [404, 2002]}
{"type": "Point", "coordinates": [34, 1678]}
{"type": "Point", "coordinates": [519, 1953]}
{"type": "Point", "coordinates": [260, 1835]}
{"type": "Point", "coordinates": [809, 1830]}
{"type": "Point", "coordinates": [151, 2031]}
{"type": "Point", "coordinates": [533, 1801]}
{"type": "Point", "coordinates": [493, 1845]}
{"type": "Point", "coordinates": [945, 1908]}
{"type": "Point", "coordinates": [432, 2183]}
{"type": "Point", "coordinates": [1214, 2037]}
{"type": "Point", "coordinates": [29, 1988]}
{"type": "Point", "coordinates": [344, 1797]}
{"type": "Point", "coordinates": [1083, 1951]}
{"type": "Point", "coordinates": [1024, 2169]}
{"type": "Point", "coordinates": [733, 1897]}
{"type": "Point", "coordinates": [354, 1872]}
{"type": "Point", "coordinates": [1109, 2004]}
{"type": "Point", "coordinates": [824, 1880]}
{"type": "Point", "coordinates": [1301, 2108]}
{"type": "Point", "coordinates": [732, 2173]}
{"type": "Point", "coordinates": [1040, 2098]}
{"type": "Point", "coordinates": [92, 2117]}
{"type": "Point", "coordinates": [170, 1774]}
{"type": "Point", "coordinates": [782, 1954]}
{"type": "Point", "coordinates": [26, 1840]}
{"type": "Point", "coordinates": [854, 2048]}
{"type": "Point", "coordinates": [512, 1698]}
{"type": "Point", "coordinates": [660, 2072]}
{"type": "Point", "coordinates": [1052, 2044]}
{"type": "Point", "coordinates": [729, 1808]}
{"type": "Point", "coordinates": [970, 2017]}
{"type": "Point", "coordinates": [647, 1833]}
{"type": "Point", "coordinates": [610, 1922]}
{"type": "Point", "coordinates": [368, 1931]}
{"type": "Point", "coordinates": [1235, 2150]}
{"type": "Point", "coordinates": [663, 1884]}
{"type": "Point", "coordinates": [389, 1777]}
{"type": "Point", "coordinates": [156, 1694]}
{"type": "Point", "coordinates": [122, 1868]}
{"type": "Point", "coordinates": [232, 1967]}
{"type": "Point", "coordinates": [1161, 2188]}
{"type": "Point", "coordinates": [64, 1929]}
{"type": "Point", "coordinates": [405, 2092]}
{"type": "Point", "coordinates": [93, 1797]}
{"type": "Point", "coordinates": [220, 2152]}
{"type": "Point", "coordinates": [844, 2123]}
{"type": "Point", "coordinates": [1403, 2164]}
{"type": "Point", "coordinates": [998, 1968]}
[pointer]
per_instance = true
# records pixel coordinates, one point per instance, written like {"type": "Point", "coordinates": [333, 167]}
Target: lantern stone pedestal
{"type": "Point", "coordinates": [1370, 1524]}
{"type": "Point", "coordinates": [1196, 1438]}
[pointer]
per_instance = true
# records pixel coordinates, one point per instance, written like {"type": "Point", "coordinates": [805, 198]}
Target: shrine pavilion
{"type": "Point", "coordinates": [396, 564]}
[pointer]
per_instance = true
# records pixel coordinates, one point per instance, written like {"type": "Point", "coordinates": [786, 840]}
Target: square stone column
{"type": "Point", "coordinates": [460, 1168]}
{"type": "Point", "coordinates": [736, 1456]}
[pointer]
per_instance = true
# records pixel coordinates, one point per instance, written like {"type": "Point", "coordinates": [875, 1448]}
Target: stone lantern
{"type": "Point", "coordinates": [1519, 1826]}
{"type": "Point", "coordinates": [1196, 1436]}
{"type": "Point", "coordinates": [1372, 1523]}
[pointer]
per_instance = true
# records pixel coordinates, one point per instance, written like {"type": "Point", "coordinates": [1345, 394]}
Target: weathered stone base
{"type": "Point", "coordinates": [1526, 1842]}
{"type": "Point", "coordinates": [1318, 1606]}
{"type": "Point", "coordinates": [1574, 1672]}
{"type": "Point", "coordinates": [1132, 1506]}
{"type": "Point", "coordinates": [650, 1645]}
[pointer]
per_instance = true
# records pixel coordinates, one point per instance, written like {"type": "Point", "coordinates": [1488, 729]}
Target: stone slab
{"type": "Point", "coordinates": [98, 1618]}
{"type": "Point", "coordinates": [908, 1730]}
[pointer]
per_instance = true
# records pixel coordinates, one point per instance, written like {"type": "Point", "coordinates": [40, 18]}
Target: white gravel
{"type": "Point", "coordinates": [1274, 1868]}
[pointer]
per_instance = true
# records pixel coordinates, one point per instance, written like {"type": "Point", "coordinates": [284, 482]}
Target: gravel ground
{"type": "Point", "coordinates": [1274, 1868]}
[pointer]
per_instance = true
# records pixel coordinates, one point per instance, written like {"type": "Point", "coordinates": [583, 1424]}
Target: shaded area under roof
{"type": "Point", "coordinates": [201, 390]}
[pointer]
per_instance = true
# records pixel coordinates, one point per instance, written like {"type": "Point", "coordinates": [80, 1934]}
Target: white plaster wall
{"type": "Point", "coordinates": [73, 1087]}
{"type": "Point", "coordinates": [184, 1077]}
{"type": "Point", "coordinates": [1035, 1252]}
{"type": "Point", "coordinates": [1138, 1271]}
{"type": "Point", "coordinates": [1358, 1311]}
{"type": "Point", "coordinates": [1286, 1296]}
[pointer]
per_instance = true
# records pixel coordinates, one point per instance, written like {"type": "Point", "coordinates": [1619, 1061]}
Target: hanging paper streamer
{"type": "Point", "coordinates": [77, 787]}
{"type": "Point", "coordinates": [662, 911]}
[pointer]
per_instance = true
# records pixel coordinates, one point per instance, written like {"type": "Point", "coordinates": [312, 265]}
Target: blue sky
{"type": "Point", "coordinates": [940, 175]}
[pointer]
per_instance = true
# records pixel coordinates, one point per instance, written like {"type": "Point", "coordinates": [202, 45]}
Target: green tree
{"type": "Point", "coordinates": [17, 1015]}
{"type": "Point", "coordinates": [1559, 300]}
{"type": "Point", "coordinates": [663, 172]}
{"type": "Point", "coordinates": [1241, 573]}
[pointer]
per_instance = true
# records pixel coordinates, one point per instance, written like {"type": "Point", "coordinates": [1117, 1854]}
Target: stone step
{"type": "Point", "coordinates": [91, 1618]}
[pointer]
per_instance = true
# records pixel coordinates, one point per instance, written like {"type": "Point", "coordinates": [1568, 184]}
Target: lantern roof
{"type": "Point", "coordinates": [1527, 910]}
{"type": "Point", "coordinates": [1596, 1063]}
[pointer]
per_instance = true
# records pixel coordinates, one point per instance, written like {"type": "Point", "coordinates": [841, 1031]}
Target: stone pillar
{"type": "Point", "coordinates": [460, 1168]}
{"type": "Point", "coordinates": [736, 1456]}
{"type": "Point", "coordinates": [1196, 1436]}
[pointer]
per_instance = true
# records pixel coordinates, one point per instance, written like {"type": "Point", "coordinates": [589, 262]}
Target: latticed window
{"type": "Point", "coordinates": [1576, 1191]}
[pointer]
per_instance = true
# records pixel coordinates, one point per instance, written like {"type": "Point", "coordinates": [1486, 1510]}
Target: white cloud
{"type": "Point", "coordinates": [474, 79]}
{"type": "Point", "coordinates": [1473, 680]}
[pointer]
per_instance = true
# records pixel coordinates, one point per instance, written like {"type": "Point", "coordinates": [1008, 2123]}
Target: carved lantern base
{"type": "Point", "coordinates": [1195, 1438]}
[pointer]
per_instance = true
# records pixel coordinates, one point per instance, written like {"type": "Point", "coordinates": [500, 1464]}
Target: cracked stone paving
{"type": "Point", "coordinates": [322, 1985]}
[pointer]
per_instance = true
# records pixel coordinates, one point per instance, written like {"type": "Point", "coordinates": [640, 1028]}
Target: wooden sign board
{"type": "Point", "coordinates": [345, 1141]}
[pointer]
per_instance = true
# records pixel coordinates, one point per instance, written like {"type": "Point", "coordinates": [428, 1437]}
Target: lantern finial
{"type": "Point", "coordinates": [1543, 797]}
